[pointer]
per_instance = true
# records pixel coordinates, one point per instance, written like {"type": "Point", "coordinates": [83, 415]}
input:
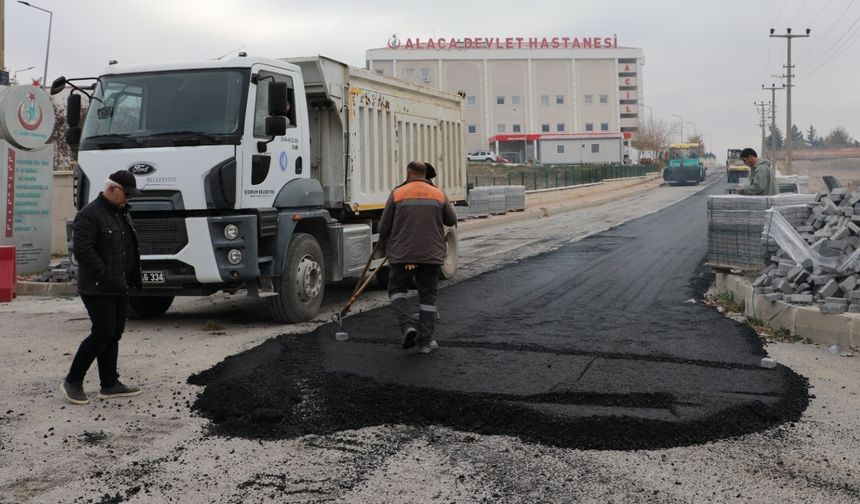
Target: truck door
{"type": "Point", "coordinates": [264, 173]}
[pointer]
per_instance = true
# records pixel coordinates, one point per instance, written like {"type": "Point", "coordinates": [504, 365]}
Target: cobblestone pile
{"type": "Point", "coordinates": [818, 258]}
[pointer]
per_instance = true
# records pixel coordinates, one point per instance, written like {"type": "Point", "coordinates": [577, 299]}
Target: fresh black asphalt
{"type": "Point", "coordinates": [603, 343]}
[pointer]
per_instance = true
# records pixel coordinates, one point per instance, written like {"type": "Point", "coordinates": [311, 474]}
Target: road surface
{"type": "Point", "coordinates": [601, 343]}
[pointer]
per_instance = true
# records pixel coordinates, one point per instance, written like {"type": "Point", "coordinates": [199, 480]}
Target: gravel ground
{"type": "Point", "coordinates": [155, 449]}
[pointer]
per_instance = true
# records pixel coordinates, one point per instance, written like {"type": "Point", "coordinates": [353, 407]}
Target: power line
{"type": "Point", "coordinates": [832, 54]}
{"type": "Point", "coordinates": [812, 25]}
{"type": "Point", "coordinates": [819, 13]}
{"type": "Point", "coordinates": [838, 52]}
{"type": "Point", "coordinates": [780, 12]}
{"type": "Point", "coordinates": [802, 6]}
{"type": "Point", "coordinates": [827, 32]}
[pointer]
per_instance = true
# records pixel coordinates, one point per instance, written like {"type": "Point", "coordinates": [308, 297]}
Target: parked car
{"type": "Point", "coordinates": [484, 156]}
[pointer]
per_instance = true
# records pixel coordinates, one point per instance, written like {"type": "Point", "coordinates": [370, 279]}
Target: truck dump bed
{"type": "Point", "coordinates": [365, 128]}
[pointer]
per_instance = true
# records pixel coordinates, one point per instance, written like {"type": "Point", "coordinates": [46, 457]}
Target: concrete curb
{"type": "Point", "coordinates": [801, 321]}
{"type": "Point", "coordinates": [539, 211]}
{"type": "Point", "coordinates": [50, 289]}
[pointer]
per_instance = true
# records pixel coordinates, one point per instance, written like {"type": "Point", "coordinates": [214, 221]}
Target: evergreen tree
{"type": "Point", "coordinates": [838, 137]}
{"type": "Point", "coordinates": [775, 133]}
{"type": "Point", "coordinates": [797, 140]}
{"type": "Point", "coordinates": [812, 138]}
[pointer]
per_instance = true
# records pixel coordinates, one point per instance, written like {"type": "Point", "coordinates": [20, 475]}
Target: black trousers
{"type": "Point", "coordinates": [426, 277]}
{"type": "Point", "coordinates": [108, 314]}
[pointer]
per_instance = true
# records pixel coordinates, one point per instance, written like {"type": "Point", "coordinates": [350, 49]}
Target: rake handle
{"type": "Point", "coordinates": [360, 289]}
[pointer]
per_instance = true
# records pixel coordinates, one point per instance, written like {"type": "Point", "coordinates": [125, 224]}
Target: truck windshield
{"type": "Point", "coordinates": [199, 107]}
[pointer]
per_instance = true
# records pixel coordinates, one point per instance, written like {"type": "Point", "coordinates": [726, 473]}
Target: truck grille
{"type": "Point", "coordinates": [161, 236]}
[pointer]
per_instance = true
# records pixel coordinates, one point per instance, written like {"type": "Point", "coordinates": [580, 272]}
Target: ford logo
{"type": "Point", "coordinates": [141, 169]}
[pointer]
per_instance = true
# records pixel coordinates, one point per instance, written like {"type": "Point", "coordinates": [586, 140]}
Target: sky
{"type": "Point", "coordinates": [704, 60]}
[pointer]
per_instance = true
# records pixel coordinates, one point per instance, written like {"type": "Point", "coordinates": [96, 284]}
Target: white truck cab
{"type": "Point", "coordinates": [253, 177]}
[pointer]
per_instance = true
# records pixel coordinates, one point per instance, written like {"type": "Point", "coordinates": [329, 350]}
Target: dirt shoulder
{"type": "Point", "coordinates": [550, 202]}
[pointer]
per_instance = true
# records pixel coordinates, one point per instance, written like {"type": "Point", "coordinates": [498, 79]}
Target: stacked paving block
{"type": "Point", "coordinates": [497, 200]}
{"type": "Point", "coordinates": [479, 202]}
{"type": "Point", "coordinates": [735, 225]}
{"type": "Point", "coordinates": [515, 198]}
{"type": "Point", "coordinates": [820, 263]}
{"type": "Point", "coordinates": [493, 200]}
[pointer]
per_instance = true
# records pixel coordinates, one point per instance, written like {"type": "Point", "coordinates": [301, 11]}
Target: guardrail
{"type": "Point", "coordinates": [554, 176]}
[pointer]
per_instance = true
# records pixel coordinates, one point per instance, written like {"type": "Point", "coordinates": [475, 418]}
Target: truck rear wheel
{"type": "Point", "coordinates": [301, 285]}
{"type": "Point", "coordinates": [144, 307]}
{"type": "Point", "coordinates": [452, 254]}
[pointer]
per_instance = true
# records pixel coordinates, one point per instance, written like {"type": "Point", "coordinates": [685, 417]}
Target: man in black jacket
{"type": "Point", "coordinates": [105, 246]}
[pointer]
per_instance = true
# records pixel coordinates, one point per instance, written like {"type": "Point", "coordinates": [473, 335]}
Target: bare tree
{"type": "Point", "coordinates": [655, 137]}
{"type": "Point", "coordinates": [64, 156]}
{"type": "Point", "coordinates": [696, 139]}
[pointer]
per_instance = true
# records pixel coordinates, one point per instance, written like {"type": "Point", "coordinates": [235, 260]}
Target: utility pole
{"type": "Point", "coordinates": [763, 109]}
{"type": "Point", "coordinates": [2, 35]}
{"type": "Point", "coordinates": [788, 134]}
{"type": "Point", "coordinates": [773, 89]}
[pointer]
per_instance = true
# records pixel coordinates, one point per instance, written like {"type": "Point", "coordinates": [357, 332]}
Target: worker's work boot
{"type": "Point", "coordinates": [427, 347]}
{"type": "Point", "coordinates": [410, 334]}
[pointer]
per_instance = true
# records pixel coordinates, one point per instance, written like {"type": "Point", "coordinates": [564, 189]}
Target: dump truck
{"type": "Point", "coordinates": [684, 164]}
{"type": "Point", "coordinates": [267, 175]}
{"type": "Point", "coordinates": [735, 168]}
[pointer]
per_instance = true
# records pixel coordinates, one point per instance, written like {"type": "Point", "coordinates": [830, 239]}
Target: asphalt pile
{"type": "Point", "coordinates": [600, 344]}
{"type": "Point", "coordinates": [818, 256]}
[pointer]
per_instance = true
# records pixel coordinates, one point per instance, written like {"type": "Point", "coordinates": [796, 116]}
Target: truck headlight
{"type": "Point", "coordinates": [235, 256]}
{"type": "Point", "coordinates": [231, 231]}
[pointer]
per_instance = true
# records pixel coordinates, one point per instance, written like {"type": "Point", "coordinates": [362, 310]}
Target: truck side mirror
{"type": "Point", "coordinates": [276, 126]}
{"type": "Point", "coordinates": [58, 85]}
{"type": "Point", "coordinates": [73, 110]}
{"type": "Point", "coordinates": [278, 99]}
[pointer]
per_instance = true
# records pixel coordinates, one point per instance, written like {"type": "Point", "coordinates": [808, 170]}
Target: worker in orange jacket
{"type": "Point", "coordinates": [412, 229]}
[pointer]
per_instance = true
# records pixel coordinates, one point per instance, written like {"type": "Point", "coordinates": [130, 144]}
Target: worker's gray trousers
{"type": "Point", "coordinates": [426, 277]}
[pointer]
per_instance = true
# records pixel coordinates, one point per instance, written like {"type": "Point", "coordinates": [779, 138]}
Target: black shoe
{"type": "Point", "coordinates": [118, 390]}
{"type": "Point", "coordinates": [74, 392]}
{"type": "Point", "coordinates": [430, 346]}
{"type": "Point", "coordinates": [410, 334]}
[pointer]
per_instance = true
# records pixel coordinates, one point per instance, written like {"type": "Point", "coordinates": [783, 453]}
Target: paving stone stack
{"type": "Point", "coordinates": [479, 202]}
{"type": "Point", "coordinates": [515, 198]}
{"type": "Point", "coordinates": [823, 269]}
{"type": "Point", "coordinates": [495, 200]}
{"type": "Point", "coordinates": [735, 225]}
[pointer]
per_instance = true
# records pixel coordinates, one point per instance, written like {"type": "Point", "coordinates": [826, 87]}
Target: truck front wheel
{"type": "Point", "coordinates": [301, 285]}
{"type": "Point", "coordinates": [144, 307]}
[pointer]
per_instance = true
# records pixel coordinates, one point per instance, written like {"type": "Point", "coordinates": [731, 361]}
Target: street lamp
{"type": "Point", "coordinates": [650, 112]}
{"type": "Point", "coordinates": [523, 129]}
{"type": "Point", "coordinates": [694, 127]}
{"type": "Point", "coordinates": [48, 49]}
{"type": "Point", "coordinates": [682, 125]}
{"type": "Point", "coordinates": [15, 73]}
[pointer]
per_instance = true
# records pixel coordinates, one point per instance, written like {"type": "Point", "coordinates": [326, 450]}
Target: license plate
{"type": "Point", "coordinates": [152, 277]}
